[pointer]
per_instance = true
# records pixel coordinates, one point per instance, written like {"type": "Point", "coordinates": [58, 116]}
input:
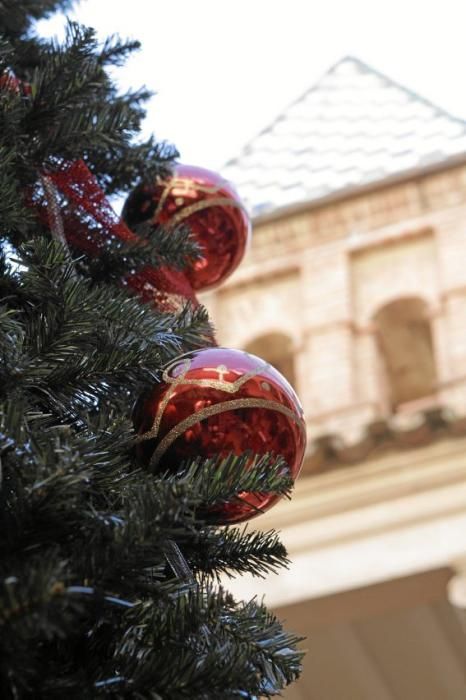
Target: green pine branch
{"type": "Point", "coordinates": [155, 246]}
{"type": "Point", "coordinates": [17, 18]}
{"type": "Point", "coordinates": [230, 649]}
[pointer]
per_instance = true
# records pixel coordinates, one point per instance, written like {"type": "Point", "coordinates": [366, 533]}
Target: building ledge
{"type": "Point", "coordinates": [400, 431]}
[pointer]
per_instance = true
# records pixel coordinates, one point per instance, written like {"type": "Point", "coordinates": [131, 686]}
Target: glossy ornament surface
{"type": "Point", "coordinates": [212, 209]}
{"type": "Point", "coordinates": [220, 401]}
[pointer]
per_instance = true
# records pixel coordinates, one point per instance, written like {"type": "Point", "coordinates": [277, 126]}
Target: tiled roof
{"type": "Point", "coordinates": [354, 127]}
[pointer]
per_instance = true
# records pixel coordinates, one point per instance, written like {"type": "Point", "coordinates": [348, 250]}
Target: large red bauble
{"type": "Point", "coordinates": [212, 209]}
{"type": "Point", "coordinates": [217, 402]}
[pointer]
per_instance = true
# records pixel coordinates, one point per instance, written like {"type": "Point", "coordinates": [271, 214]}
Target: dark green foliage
{"type": "Point", "coordinates": [70, 110]}
{"type": "Point", "coordinates": [154, 246]}
{"type": "Point", "coordinates": [16, 18]}
{"type": "Point", "coordinates": [89, 606]}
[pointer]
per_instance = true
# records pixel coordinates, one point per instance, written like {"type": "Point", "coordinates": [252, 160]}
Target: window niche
{"type": "Point", "coordinates": [277, 349]}
{"type": "Point", "coordinates": [406, 350]}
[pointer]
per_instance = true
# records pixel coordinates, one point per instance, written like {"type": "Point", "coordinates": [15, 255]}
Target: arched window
{"type": "Point", "coordinates": [405, 343]}
{"type": "Point", "coordinates": [277, 349]}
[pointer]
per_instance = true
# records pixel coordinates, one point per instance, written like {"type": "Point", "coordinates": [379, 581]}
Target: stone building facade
{"type": "Point", "coordinates": [358, 294]}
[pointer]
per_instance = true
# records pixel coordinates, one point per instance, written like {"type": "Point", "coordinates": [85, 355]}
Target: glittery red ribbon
{"type": "Point", "coordinates": [89, 223]}
{"type": "Point", "coordinates": [10, 83]}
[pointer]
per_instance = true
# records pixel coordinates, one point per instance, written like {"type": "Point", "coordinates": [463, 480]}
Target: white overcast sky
{"type": "Point", "coordinates": [223, 70]}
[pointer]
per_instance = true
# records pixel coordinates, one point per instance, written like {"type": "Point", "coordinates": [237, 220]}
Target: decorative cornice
{"type": "Point", "coordinates": [355, 191]}
{"type": "Point", "coordinates": [330, 451]}
{"type": "Point", "coordinates": [386, 518]}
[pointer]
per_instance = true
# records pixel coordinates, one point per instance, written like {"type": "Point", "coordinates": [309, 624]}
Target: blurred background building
{"type": "Point", "coordinates": [355, 288]}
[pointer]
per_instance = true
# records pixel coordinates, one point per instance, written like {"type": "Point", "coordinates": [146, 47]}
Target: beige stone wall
{"type": "Point", "coordinates": [320, 276]}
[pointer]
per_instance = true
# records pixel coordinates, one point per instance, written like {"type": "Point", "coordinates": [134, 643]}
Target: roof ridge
{"type": "Point", "coordinates": [295, 101]}
{"type": "Point", "coordinates": [367, 68]}
{"type": "Point", "coordinates": [400, 86]}
{"type": "Point", "coordinates": [351, 98]}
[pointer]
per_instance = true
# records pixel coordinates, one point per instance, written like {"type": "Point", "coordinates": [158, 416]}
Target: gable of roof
{"type": "Point", "coordinates": [354, 127]}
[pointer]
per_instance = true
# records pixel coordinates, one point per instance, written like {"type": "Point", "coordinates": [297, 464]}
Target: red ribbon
{"type": "Point", "coordinates": [10, 83]}
{"type": "Point", "coordinates": [89, 223]}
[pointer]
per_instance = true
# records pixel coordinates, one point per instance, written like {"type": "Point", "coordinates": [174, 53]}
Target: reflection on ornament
{"type": "Point", "coordinates": [212, 209]}
{"type": "Point", "coordinates": [216, 402]}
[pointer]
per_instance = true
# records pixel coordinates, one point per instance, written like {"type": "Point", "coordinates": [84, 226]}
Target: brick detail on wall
{"type": "Point", "coordinates": [319, 276]}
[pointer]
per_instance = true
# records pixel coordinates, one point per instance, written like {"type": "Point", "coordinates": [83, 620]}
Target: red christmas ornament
{"type": "Point", "coordinates": [210, 206]}
{"type": "Point", "coordinates": [219, 401]}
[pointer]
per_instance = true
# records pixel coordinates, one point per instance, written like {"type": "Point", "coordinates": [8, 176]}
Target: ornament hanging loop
{"type": "Point", "coordinates": [57, 228]}
{"type": "Point", "coordinates": [178, 563]}
{"type": "Point", "coordinates": [182, 570]}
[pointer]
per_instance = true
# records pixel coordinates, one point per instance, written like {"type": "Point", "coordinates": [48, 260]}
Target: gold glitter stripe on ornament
{"type": "Point", "coordinates": [161, 202]}
{"type": "Point", "coordinates": [185, 185]}
{"type": "Point", "coordinates": [152, 433]}
{"type": "Point", "coordinates": [179, 429]}
{"type": "Point", "coordinates": [229, 387]}
{"type": "Point", "coordinates": [220, 384]}
{"type": "Point", "coordinates": [199, 206]}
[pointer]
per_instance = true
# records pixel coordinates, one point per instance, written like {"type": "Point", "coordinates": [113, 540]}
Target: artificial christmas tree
{"type": "Point", "coordinates": [109, 572]}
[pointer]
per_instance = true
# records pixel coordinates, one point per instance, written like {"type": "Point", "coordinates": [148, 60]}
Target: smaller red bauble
{"type": "Point", "coordinates": [216, 402]}
{"type": "Point", "coordinates": [211, 208]}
